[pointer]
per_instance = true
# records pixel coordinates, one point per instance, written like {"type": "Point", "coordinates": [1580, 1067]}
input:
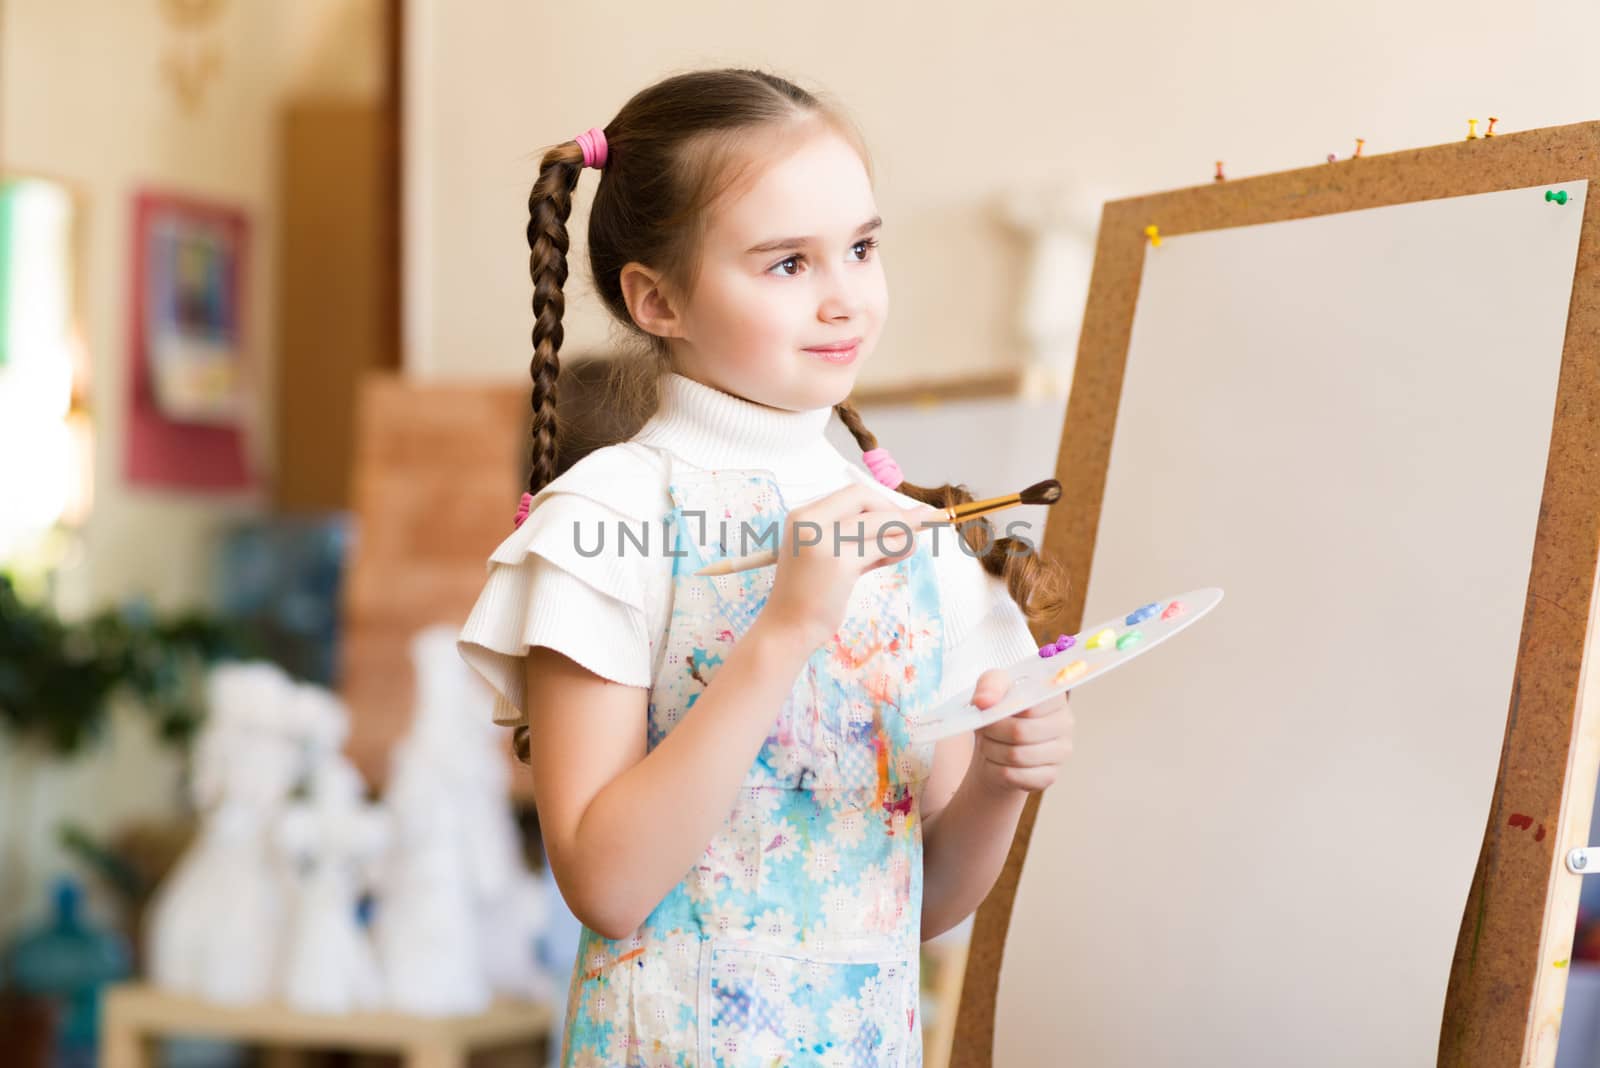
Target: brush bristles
{"type": "Point", "coordinates": [1046, 492]}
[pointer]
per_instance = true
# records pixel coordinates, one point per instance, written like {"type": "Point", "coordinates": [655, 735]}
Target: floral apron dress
{"type": "Point", "coordinates": [795, 939]}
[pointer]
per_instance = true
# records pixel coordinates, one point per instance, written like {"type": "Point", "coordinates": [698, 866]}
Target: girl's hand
{"type": "Point", "coordinates": [1025, 751]}
{"type": "Point", "coordinates": [817, 568]}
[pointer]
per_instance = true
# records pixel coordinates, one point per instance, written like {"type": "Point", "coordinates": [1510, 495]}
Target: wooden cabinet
{"type": "Point", "coordinates": [436, 475]}
{"type": "Point", "coordinates": [437, 472]}
{"type": "Point", "coordinates": [337, 319]}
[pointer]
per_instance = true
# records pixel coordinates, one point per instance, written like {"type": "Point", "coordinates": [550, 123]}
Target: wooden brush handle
{"type": "Point", "coordinates": [973, 509]}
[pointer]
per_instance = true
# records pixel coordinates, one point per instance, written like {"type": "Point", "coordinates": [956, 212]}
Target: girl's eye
{"type": "Point", "coordinates": [782, 266]}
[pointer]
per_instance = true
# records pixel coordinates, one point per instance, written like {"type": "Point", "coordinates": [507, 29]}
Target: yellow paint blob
{"type": "Point", "coordinates": [1071, 671]}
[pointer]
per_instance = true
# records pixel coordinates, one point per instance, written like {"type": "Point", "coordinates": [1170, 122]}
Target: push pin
{"type": "Point", "coordinates": [1490, 131]}
{"type": "Point", "coordinates": [1332, 157]}
{"type": "Point", "coordinates": [1472, 129]}
{"type": "Point", "coordinates": [1220, 177]}
{"type": "Point", "coordinates": [1154, 234]}
{"type": "Point", "coordinates": [1359, 143]}
{"type": "Point", "coordinates": [1559, 196]}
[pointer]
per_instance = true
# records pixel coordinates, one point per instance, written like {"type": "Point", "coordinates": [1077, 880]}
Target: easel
{"type": "Point", "coordinates": [1508, 980]}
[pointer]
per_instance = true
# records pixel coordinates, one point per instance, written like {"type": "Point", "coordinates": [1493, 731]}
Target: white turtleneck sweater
{"type": "Point", "coordinates": [609, 611]}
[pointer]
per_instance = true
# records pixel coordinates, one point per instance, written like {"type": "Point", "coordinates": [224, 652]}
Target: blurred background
{"type": "Point", "coordinates": [263, 348]}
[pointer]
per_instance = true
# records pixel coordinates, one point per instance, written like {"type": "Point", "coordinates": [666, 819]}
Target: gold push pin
{"type": "Point", "coordinates": [1154, 234]}
{"type": "Point", "coordinates": [1472, 129]}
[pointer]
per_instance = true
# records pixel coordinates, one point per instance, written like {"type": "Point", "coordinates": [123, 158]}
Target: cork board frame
{"type": "Point", "coordinates": [1508, 978]}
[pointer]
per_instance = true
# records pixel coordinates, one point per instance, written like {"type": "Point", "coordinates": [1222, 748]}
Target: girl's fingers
{"type": "Point", "coordinates": [991, 686]}
{"type": "Point", "coordinates": [1020, 730]}
{"type": "Point", "coordinates": [877, 537]}
{"type": "Point", "coordinates": [837, 512]}
{"type": "Point", "coordinates": [1037, 755]}
{"type": "Point", "coordinates": [1030, 780]}
{"type": "Point", "coordinates": [877, 549]}
{"type": "Point", "coordinates": [850, 501]}
{"type": "Point", "coordinates": [857, 500]}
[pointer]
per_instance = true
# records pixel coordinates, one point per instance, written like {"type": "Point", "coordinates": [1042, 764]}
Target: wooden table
{"type": "Point", "coordinates": [136, 1014]}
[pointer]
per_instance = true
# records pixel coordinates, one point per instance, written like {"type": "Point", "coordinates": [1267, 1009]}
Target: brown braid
{"type": "Point", "coordinates": [549, 205]}
{"type": "Point", "coordinates": [1036, 584]}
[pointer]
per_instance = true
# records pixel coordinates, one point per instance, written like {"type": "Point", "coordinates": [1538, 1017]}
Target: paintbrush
{"type": "Point", "coordinates": [1046, 492]}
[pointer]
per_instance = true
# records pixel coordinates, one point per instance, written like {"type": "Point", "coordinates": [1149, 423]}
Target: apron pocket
{"type": "Point", "coordinates": [759, 1008]}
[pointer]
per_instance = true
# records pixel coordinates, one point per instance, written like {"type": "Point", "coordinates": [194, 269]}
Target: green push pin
{"type": "Point", "coordinates": [1558, 197]}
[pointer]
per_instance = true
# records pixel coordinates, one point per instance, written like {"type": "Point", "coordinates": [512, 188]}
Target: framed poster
{"type": "Point", "coordinates": [189, 372]}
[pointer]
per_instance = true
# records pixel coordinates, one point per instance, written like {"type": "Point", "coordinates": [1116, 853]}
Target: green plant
{"type": "Point", "coordinates": [57, 679]}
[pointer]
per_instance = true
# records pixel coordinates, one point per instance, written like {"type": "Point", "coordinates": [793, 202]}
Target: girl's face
{"type": "Point", "coordinates": [789, 271]}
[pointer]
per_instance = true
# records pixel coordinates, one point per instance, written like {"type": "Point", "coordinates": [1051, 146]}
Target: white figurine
{"type": "Point", "coordinates": [426, 928]}
{"type": "Point", "coordinates": [332, 838]}
{"type": "Point", "coordinates": [514, 905]}
{"type": "Point", "coordinates": [514, 902]}
{"type": "Point", "coordinates": [320, 720]}
{"type": "Point", "coordinates": [217, 921]}
{"type": "Point", "coordinates": [1060, 220]}
{"type": "Point", "coordinates": [460, 912]}
{"type": "Point", "coordinates": [511, 925]}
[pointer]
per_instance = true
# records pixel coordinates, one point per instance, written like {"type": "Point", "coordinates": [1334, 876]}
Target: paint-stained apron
{"type": "Point", "coordinates": [794, 940]}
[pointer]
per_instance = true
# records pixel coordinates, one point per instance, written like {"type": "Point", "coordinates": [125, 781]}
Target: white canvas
{"type": "Point", "coordinates": [1260, 851]}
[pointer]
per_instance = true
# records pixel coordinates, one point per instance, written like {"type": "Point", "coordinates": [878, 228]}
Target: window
{"type": "Point", "coordinates": [45, 440]}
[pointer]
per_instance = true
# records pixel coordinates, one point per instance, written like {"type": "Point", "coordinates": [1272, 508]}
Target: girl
{"type": "Point", "coordinates": [727, 792]}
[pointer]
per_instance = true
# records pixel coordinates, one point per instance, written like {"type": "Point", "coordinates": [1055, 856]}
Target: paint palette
{"type": "Point", "coordinates": [1077, 659]}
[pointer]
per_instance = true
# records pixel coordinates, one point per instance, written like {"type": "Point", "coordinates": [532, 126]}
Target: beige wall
{"type": "Point", "coordinates": [960, 103]}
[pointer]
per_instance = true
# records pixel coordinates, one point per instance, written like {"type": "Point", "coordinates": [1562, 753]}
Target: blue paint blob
{"type": "Point", "coordinates": [1140, 615]}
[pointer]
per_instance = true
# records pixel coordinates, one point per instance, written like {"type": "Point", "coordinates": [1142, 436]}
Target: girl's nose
{"type": "Point", "coordinates": [839, 299]}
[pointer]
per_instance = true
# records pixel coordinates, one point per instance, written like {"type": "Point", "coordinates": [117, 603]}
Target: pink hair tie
{"type": "Point", "coordinates": [593, 143]}
{"type": "Point", "coordinates": [883, 467]}
{"type": "Point", "coordinates": [523, 509]}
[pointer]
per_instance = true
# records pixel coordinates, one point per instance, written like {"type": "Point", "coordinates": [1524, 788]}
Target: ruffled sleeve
{"type": "Point", "coordinates": [595, 607]}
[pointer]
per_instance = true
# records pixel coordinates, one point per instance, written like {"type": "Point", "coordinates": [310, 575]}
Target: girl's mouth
{"type": "Point", "coordinates": [837, 354]}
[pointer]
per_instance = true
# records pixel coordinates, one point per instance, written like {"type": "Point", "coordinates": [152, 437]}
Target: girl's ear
{"type": "Point", "coordinates": [653, 309]}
